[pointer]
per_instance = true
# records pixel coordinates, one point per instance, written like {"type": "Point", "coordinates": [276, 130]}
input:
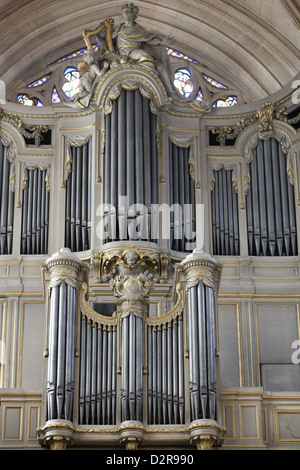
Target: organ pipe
{"type": "Point", "coordinates": [6, 203]}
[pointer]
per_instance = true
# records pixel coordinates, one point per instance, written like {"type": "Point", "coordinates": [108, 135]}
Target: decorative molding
{"type": "Point", "coordinates": [34, 132]}
{"type": "Point", "coordinates": [264, 117]}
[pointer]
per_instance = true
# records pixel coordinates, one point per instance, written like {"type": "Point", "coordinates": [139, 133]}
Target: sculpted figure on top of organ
{"type": "Point", "coordinates": [129, 43]}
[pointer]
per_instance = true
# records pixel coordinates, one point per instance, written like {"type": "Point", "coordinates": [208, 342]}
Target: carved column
{"type": "Point", "coordinates": [63, 274]}
{"type": "Point", "coordinates": [132, 278]}
{"type": "Point", "coordinates": [203, 274]}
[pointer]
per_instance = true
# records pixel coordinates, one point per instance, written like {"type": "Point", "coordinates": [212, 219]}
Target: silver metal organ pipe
{"type": "Point", "coordinates": [88, 371]}
{"type": "Point", "coordinates": [109, 374]}
{"type": "Point", "coordinates": [139, 369]}
{"type": "Point", "coordinates": [158, 399]}
{"type": "Point", "coordinates": [43, 218]}
{"type": "Point", "coordinates": [33, 216]}
{"type": "Point", "coordinates": [231, 228]}
{"type": "Point", "coordinates": [70, 351]}
{"type": "Point", "coordinates": [94, 373]}
{"type": "Point", "coordinates": [181, 166]}
{"type": "Point", "coordinates": [84, 196]}
{"type": "Point", "coordinates": [107, 172]}
{"type": "Point", "coordinates": [41, 178]}
{"type": "Point", "coordinates": [164, 374]}
{"type": "Point", "coordinates": [256, 211]}
{"type": "Point", "coordinates": [139, 164]}
{"type": "Point", "coordinates": [82, 370]}
{"type": "Point", "coordinates": [181, 371]}
{"type": "Point", "coordinates": [47, 202]}
{"type": "Point", "coordinates": [277, 196]}
{"type": "Point", "coordinates": [147, 163]}
{"type": "Point", "coordinates": [89, 195]}
{"type": "Point", "coordinates": [225, 206]}
{"type": "Point", "coordinates": [104, 376]}
{"type": "Point", "coordinates": [211, 352]}
{"type": "Point", "coordinates": [203, 346]}
{"type": "Point", "coordinates": [114, 372]}
{"type": "Point", "coordinates": [72, 180]}
{"type": "Point", "coordinates": [132, 367]}
{"type": "Point", "coordinates": [270, 196]}
{"type": "Point", "coordinates": [4, 202]}
{"type": "Point", "coordinates": [262, 198]}
{"type": "Point", "coordinates": [61, 352]}
{"type": "Point", "coordinates": [130, 144]}
{"type": "Point", "coordinates": [52, 361]}
{"type": "Point", "coordinates": [78, 202]}
{"type": "Point", "coordinates": [171, 372]}
{"type": "Point", "coordinates": [122, 216]}
{"type": "Point", "coordinates": [150, 373]}
{"type": "Point", "coordinates": [171, 193]}
{"type": "Point", "coordinates": [99, 373]}
{"type": "Point", "coordinates": [125, 369]}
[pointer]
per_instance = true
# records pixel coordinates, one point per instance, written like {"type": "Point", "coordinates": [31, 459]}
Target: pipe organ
{"type": "Point", "coordinates": [149, 373]}
{"type": "Point", "coordinates": [182, 199]}
{"type": "Point", "coordinates": [130, 168]}
{"type": "Point", "coordinates": [78, 198]}
{"type": "Point", "coordinates": [271, 216]}
{"type": "Point", "coordinates": [224, 214]}
{"type": "Point", "coordinates": [35, 212]}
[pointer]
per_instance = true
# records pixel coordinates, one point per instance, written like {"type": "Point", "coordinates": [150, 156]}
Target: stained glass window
{"type": "Point", "coordinates": [71, 87]}
{"type": "Point", "coordinates": [77, 53]}
{"type": "Point", "coordinates": [39, 82]}
{"type": "Point", "coordinates": [183, 82]}
{"type": "Point", "coordinates": [24, 99]}
{"type": "Point", "coordinates": [229, 101]}
{"type": "Point", "coordinates": [199, 96]}
{"type": "Point", "coordinates": [179, 55]}
{"type": "Point", "coordinates": [214, 82]}
{"type": "Point", "coordinates": [55, 96]}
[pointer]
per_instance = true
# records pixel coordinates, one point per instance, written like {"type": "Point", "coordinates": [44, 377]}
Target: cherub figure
{"type": "Point", "coordinates": [91, 70]}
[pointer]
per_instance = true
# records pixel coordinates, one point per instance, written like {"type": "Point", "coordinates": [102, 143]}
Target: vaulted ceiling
{"type": "Point", "coordinates": [254, 44]}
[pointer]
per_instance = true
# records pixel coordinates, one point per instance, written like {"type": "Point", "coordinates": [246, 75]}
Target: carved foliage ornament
{"type": "Point", "coordinates": [11, 152]}
{"type": "Point", "coordinates": [265, 117]}
{"type": "Point", "coordinates": [34, 132]}
{"type": "Point", "coordinates": [283, 138]}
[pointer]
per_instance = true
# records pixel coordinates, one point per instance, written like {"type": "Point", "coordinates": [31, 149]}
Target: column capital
{"type": "Point", "coordinates": [200, 266]}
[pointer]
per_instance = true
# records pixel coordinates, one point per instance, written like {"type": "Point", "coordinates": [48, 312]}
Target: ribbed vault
{"type": "Point", "coordinates": [254, 44]}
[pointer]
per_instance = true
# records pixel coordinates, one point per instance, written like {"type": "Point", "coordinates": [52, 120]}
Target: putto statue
{"type": "Point", "coordinates": [130, 43]}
